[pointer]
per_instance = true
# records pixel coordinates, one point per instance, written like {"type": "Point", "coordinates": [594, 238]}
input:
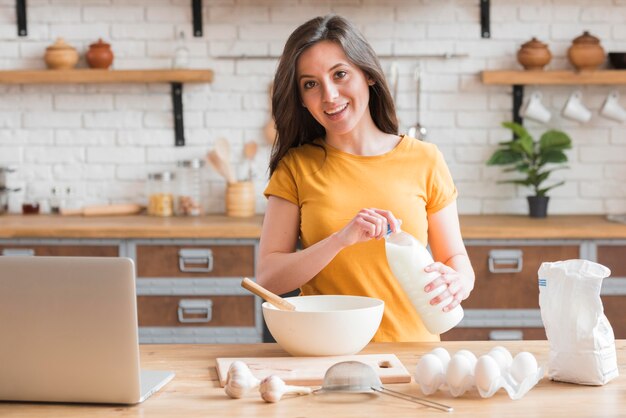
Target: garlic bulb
{"type": "Point", "coordinates": [273, 388]}
{"type": "Point", "coordinates": [239, 380]}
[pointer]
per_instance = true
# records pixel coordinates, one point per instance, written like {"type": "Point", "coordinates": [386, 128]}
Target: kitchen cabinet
{"type": "Point", "coordinates": [193, 260]}
{"type": "Point", "coordinates": [507, 274]}
{"type": "Point", "coordinates": [189, 269]}
{"type": "Point", "coordinates": [504, 304]}
{"type": "Point", "coordinates": [188, 291]}
{"type": "Point", "coordinates": [75, 248]}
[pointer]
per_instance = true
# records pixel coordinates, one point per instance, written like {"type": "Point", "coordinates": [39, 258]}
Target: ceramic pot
{"type": "Point", "coordinates": [538, 206]}
{"type": "Point", "coordinates": [534, 55]}
{"type": "Point", "coordinates": [61, 56]}
{"type": "Point", "coordinates": [586, 53]}
{"type": "Point", "coordinates": [99, 55]}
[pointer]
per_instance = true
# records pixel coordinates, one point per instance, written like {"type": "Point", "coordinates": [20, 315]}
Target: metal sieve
{"type": "Point", "coordinates": [357, 377]}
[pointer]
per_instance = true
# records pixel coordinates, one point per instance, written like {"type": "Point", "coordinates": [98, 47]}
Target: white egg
{"type": "Point", "coordinates": [502, 356]}
{"type": "Point", "coordinates": [524, 364]}
{"type": "Point", "coordinates": [468, 355]}
{"type": "Point", "coordinates": [458, 369]}
{"type": "Point", "coordinates": [443, 355]}
{"type": "Point", "coordinates": [428, 372]}
{"type": "Point", "coordinates": [486, 372]}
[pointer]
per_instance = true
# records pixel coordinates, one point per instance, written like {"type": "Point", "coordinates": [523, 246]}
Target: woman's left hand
{"type": "Point", "coordinates": [453, 281]}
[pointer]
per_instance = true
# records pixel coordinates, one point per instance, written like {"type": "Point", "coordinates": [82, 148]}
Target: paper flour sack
{"type": "Point", "coordinates": [582, 344]}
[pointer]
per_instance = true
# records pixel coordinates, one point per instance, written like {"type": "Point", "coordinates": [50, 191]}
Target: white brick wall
{"type": "Point", "coordinates": [103, 140]}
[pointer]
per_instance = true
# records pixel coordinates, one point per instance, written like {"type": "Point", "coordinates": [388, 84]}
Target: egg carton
{"type": "Point", "coordinates": [488, 373]}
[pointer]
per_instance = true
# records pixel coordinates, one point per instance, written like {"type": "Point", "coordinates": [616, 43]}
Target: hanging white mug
{"type": "Point", "coordinates": [611, 108]}
{"type": "Point", "coordinates": [534, 109]}
{"type": "Point", "coordinates": [574, 108]}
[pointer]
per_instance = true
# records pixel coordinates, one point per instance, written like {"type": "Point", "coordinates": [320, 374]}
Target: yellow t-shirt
{"type": "Point", "coordinates": [331, 186]}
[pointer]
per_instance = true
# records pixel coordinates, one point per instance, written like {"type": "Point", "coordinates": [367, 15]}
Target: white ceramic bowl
{"type": "Point", "coordinates": [325, 325]}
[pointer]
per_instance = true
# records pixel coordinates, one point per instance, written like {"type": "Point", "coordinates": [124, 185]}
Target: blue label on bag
{"type": "Point", "coordinates": [542, 282]}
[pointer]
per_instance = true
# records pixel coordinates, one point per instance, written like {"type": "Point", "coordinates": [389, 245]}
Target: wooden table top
{"type": "Point", "coordinates": [195, 391]}
{"type": "Point", "coordinates": [216, 226]}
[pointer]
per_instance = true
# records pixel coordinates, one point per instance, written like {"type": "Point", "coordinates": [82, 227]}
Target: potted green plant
{"type": "Point", "coordinates": [530, 157]}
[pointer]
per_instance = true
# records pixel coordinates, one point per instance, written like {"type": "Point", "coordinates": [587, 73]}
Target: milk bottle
{"type": "Point", "coordinates": [407, 258]}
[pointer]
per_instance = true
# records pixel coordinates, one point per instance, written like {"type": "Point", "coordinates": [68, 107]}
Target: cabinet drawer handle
{"type": "Point", "coordinates": [201, 310]}
{"type": "Point", "coordinates": [192, 260]}
{"type": "Point", "coordinates": [19, 251]}
{"type": "Point", "coordinates": [505, 261]}
{"type": "Point", "coordinates": [502, 335]}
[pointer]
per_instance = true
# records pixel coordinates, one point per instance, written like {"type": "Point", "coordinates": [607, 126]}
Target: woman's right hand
{"type": "Point", "coordinates": [369, 223]}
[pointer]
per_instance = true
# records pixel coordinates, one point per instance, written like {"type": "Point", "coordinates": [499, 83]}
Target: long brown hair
{"type": "Point", "coordinates": [294, 124]}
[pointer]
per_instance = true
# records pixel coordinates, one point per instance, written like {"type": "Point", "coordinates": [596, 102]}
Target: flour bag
{"type": "Point", "coordinates": [582, 344]}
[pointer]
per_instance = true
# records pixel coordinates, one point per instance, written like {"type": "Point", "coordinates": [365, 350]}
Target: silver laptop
{"type": "Point", "coordinates": [68, 331]}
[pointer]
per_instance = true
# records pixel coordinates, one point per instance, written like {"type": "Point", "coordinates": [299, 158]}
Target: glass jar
{"type": "Point", "coordinates": [161, 193]}
{"type": "Point", "coordinates": [190, 196]}
{"type": "Point", "coordinates": [30, 205]}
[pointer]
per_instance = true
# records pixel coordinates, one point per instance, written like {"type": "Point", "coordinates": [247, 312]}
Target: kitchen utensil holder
{"type": "Point", "coordinates": [240, 200]}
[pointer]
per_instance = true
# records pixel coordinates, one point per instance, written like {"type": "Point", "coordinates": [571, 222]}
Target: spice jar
{"type": "Point", "coordinates": [30, 205]}
{"type": "Point", "coordinates": [160, 194]}
{"type": "Point", "coordinates": [190, 196]}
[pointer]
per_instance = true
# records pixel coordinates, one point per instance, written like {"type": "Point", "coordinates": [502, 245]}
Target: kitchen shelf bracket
{"type": "Point", "coordinates": [196, 10]}
{"type": "Point", "coordinates": [177, 102]}
{"type": "Point", "coordinates": [20, 10]}
{"type": "Point", "coordinates": [485, 30]}
{"type": "Point", "coordinates": [518, 98]}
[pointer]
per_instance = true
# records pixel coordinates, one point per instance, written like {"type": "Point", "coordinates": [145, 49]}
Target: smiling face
{"type": "Point", "coordinates": [335, 91]}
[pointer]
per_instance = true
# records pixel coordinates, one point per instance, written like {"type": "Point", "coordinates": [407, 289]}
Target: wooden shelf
{"type": "Point", "coordinates": [554, 77]}
{"type": "Point", "coordinates": [91, 76]}
{"type": "Point", "coordinates": [87, 75]}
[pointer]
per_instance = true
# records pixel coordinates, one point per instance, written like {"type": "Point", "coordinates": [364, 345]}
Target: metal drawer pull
{"type": "Point", "coordinates": [29, 252]}
{"type": "Point", "coordinates": [505, 261]}
{"type": "Point", "coordinates": [198, 310]}
{"type": "Point", "coordinates": [192, 260]}
{"type": "Point", "coordinates": [503, 335]}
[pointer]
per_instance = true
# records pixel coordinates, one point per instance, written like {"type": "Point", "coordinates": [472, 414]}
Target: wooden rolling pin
{"type": "Point", "coordinates": [104, 210]}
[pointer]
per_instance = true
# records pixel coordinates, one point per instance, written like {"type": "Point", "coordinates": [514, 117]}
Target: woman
{"type": "Point", "coordinates": [340, 174]}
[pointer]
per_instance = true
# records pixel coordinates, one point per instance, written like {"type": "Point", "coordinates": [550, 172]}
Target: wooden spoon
{"type": "Point", "coordinates": [223, 151]}
{"type": "Point", "coordinates": [265, 294]}
{"type": "Point", "coordinates": [249, 151]}
{"type": "Point", "coordinates": [220, 166]}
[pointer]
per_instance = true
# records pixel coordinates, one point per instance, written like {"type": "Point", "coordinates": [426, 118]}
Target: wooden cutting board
{"type": "Point", "coordinates": [309, 371]}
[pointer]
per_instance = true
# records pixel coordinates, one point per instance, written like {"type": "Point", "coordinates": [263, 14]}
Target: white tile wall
{"type": "Point", "coordinates": [102, 140]}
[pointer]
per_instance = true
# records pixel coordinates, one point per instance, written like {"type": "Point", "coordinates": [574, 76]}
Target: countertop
{"type": "Point", "coordinates": [195, 391]}
{"type": "Point", "coordinates": [216, 226]}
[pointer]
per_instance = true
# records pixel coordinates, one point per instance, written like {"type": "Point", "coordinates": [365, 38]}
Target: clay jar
{"type": "Point", "coordinates": [99, 55]}
{"type": "Point", "coordinates": [586, 53]}
{"type": "Point", "coordinates": [61, 56]}
{"type": "Point", "coordinates": [534, 55]}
